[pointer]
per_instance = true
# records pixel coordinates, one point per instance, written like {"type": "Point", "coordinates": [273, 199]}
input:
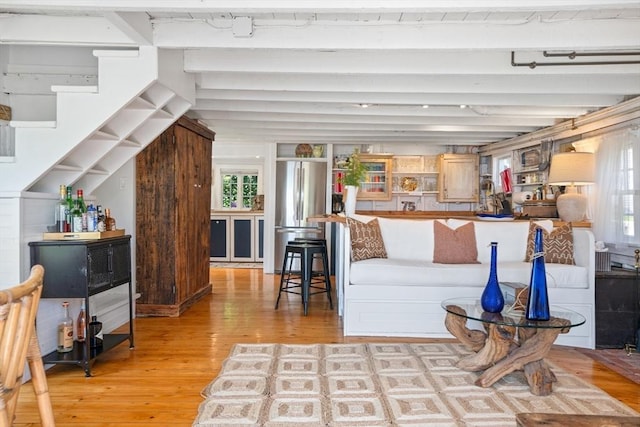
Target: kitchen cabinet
{"type": "Point", "coordinates": [237, 238]}
{"type": "Point", "coordinates": [458, 179]}
{"type": "Point", "coordinates": [377, 182]}
{"type": "Point", "coordinates": [219, 238]}
{"type": "Point", "coordinates": [415, 179]}
{"type": "Point", "coordinates": [173, 205]}
{"type": "Point", "coordinates": [82, 269]}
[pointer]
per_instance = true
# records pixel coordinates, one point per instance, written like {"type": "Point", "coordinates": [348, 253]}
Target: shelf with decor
{"type": "Point", "coordinates": [415, 175]}
{"type": "Point", "coordinates": [377, 182]}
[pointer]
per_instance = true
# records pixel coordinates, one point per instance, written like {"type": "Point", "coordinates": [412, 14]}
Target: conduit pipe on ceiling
{"type": "Point", "coordinates": [572, 55]}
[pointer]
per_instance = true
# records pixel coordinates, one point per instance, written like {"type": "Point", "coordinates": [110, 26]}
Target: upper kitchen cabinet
{"type": "Point", "coordinates": [458, 180]}
{"type": "Point", "coordinates": [173, 205]}
{"type": "Point", "coordinates": [377, 182]}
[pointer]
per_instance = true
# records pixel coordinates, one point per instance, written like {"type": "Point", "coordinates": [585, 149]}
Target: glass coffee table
{"type": "Point", "coordinates": [509, 341]}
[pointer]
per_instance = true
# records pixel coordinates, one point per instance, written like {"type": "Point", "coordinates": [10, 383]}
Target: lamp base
{"type": "Point", "coordinates": [572, 206]}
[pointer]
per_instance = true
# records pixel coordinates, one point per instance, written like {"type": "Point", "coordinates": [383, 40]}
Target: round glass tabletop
{"type": "Point", "coordinates": [509, 316]}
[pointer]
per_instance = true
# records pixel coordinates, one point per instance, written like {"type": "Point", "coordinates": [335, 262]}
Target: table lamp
{"type": "Point", "coordinates": [571, 169]}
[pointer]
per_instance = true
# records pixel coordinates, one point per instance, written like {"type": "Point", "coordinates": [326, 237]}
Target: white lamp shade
{"type": "Point", "coordinates": [572, 169]}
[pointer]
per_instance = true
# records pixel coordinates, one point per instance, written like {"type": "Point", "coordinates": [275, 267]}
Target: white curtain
{"type": "Point", "coordinates": [606, 200]}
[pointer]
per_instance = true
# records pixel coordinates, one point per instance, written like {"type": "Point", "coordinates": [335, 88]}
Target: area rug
{"type": "Point", "coordinates": [386, 384]}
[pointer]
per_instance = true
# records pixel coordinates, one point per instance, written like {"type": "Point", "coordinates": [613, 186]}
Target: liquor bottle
{"type": "Point", "coordinates": [81, 324]}
{"type": "Point", "coordinates": [60, 210]}
{"type": "Point", "coordinates": [95, 333]}
{"type": "Point", "coordinates": [65, 331]}
{"type": "Point", "coordinates": [92, 218]}
{"type": "Point", "coordinates": [109, 221]}
{"type": "Point", "coordinates": [76, 217]}
{"type": "Point", "coordinates": [100, 227]}
{"type": "Point", "coordinates": [67, 212]}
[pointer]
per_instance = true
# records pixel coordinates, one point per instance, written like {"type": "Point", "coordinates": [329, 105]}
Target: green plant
{"type": "Point", "coordinates": [355, 171]}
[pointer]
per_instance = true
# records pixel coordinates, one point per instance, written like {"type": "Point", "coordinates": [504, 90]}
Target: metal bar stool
{"type": "Point", "coordinates": [303, 283]}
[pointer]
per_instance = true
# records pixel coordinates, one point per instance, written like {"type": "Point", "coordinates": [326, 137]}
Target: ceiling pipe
{"type": "Point", "coordinates": [534, 64]}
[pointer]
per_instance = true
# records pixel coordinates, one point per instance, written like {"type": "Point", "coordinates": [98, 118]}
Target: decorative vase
{"type": "Point", "coordinates": [538, 302]}
{"type": "Point", "coordinates": [318, 150]}
{"type": "Point", "coordinates": [492, 300]}
{"type": "Point", "coordinates": [349, 198]}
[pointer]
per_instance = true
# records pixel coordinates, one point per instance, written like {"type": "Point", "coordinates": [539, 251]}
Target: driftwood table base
{"type": "Point", "coordinates": [499, 351]}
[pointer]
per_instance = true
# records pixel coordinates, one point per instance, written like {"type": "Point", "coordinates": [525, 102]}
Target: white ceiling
{"type": "Point", "coordinates": [300, 71]}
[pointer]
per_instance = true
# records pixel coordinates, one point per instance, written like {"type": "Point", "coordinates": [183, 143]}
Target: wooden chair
{"type": "Point", "coordinates": [19, 344]}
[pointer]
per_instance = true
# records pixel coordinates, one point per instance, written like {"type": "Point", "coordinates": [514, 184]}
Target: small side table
{"type": "Point", "coordinates": [509, 342]}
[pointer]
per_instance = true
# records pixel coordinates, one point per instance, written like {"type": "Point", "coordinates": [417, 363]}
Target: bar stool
{"type": "Point", "coordinates": [303, 283]}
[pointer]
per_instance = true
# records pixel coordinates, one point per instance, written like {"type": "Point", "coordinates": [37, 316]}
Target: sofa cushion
{"type": "Point", "coordinates": [407, 238]}
{"type": "Point", "coordinates": [558, 244]}
{"type": "Point", "coordinates": [454, 245]}
{"type": "Point", "coordinates": [366, 240]}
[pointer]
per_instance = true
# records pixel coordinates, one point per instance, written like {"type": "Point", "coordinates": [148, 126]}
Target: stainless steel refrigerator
{"type": "Point", "coordinates": [300, 193]}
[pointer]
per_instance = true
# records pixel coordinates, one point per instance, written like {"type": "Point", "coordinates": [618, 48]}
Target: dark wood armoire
{"type": "Point", "coordinates": [173, 206]}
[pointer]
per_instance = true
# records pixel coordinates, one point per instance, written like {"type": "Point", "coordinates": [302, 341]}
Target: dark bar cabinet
{"type": "Point", "coordinates": [80, 269]}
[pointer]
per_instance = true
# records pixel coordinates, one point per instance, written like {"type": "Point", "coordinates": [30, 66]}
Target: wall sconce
{"type": "Point", "coordinates": [571, 169]}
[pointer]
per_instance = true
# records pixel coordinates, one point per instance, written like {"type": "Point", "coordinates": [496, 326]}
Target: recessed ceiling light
{"type": "Point", "coordinates": [463, 105]}
{"type": "Point", "coordinates": [364, 105]}
{"type": "Point", "coordinates": [425, 106]}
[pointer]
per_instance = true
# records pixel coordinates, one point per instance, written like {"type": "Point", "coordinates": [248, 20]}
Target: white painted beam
{"type": "Point", "coordinates": [535, 83]}
{"type": "Point", "coordinates": [534, 35]}
{"type": "Point", "coordinates": [523, 99]}
{"type": "Point", "coordinates": [136, 25]}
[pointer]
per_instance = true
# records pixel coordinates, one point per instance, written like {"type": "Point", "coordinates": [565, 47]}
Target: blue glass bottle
{"type": "Point", "coordinates": [492, 300]}
{"type": "Point", "coordinates": [538, 302]}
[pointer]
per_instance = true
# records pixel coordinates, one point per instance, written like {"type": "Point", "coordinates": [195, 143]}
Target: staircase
{"type": "Point", "coordinates": [99, 128]}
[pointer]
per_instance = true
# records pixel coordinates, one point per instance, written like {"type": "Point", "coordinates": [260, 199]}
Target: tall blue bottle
{"type": "Point", "coordinates": [538, 302]}
{"type": "Point", "coordinates": [492, 300]}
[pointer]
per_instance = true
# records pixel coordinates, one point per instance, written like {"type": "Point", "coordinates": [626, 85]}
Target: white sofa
{"type": "Point", "coordinates": [401, 295]}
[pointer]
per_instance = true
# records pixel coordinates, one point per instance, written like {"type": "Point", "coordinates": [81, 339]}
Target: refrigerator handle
{"type": "Point", "coordinates": [296, 193]}
{"type": "Point", "coordinates": [301, 194]}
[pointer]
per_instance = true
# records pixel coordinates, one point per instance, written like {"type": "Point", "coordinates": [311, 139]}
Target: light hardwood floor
{"type": "Point", "coordinates": [159, 382]}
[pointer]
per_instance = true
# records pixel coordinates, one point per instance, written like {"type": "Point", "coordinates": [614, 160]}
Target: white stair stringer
{"type": "Point", "coordinates": [96, 132]}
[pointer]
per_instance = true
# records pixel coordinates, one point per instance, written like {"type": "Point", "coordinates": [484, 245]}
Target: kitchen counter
{"type": "Point", "coordinates": [433, 215]}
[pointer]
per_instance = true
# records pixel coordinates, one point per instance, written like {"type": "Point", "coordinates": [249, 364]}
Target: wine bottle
{"type": "Point", "coordinates": [95, 332]}
{"type": "Point", "coordinates": [81, 324]}
{"type": "Point", "coordinates": [67, 212]}
{"type": "Point", "coordinates": [109, 221]}
{"type": "Point", "coordinates": [65, 331]}
{"type": "Point", "coordinates": [60, 210]}
{"type": "Point", "coordinates": [83, 210]}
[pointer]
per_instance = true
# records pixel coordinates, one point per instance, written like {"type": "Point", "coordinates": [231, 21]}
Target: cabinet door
{"type": "Point", "coordinates": [242, 239]}
{"type": "Point", "coordinates": [259, 238]}
{"type": "Point", "coordinates": [458, 179]}
{"type": "Point", "coordinates": [219, 237]}
{"type": "Point", "coordinates": [377, 182]}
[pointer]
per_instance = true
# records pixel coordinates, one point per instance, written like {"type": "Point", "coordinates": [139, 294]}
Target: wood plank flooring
{"type": "Point", "coordinates": [159, 382]}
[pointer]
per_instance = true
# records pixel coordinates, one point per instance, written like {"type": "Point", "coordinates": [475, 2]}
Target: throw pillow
{"type": "Point", "coordinates": [558, 244]}
{"type": "Point", "coordinates": [366, 240]}
{"type": "Point", "coordinates": [454, 246]}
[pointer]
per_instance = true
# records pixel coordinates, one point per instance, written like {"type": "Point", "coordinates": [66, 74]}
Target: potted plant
{"type": "Point", "coordinates": [354, 174]}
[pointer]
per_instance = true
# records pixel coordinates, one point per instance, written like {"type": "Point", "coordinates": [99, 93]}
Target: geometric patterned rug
{"type": "Point", "coordinates": [385, 384]}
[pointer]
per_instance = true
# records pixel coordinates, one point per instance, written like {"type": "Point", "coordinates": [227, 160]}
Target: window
{"type": "Point", "coordinates": [628, 197]}
{"type": "Point", "coordinates": [239, 189]}
{"type": "Point", "coordinates": [500, 163]}
{"type": "Point", "coordinates": [617, 194]}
